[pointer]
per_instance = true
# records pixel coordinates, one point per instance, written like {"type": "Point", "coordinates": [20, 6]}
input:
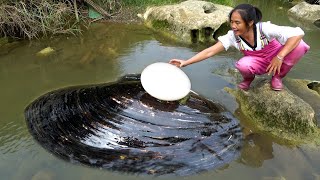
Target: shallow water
{"type": "Point", "coordinates": [105, 53]}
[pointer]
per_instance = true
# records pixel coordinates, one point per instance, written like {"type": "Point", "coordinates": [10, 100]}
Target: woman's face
{"type": "Point", "coordinates": [237, 24]}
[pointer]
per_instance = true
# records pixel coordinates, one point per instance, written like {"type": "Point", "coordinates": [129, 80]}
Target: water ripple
{"type": "Point", "coordinates": [13, 138]}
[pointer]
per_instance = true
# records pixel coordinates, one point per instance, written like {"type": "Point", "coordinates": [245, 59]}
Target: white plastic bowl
{"type": "Point", "coordinates": [165, 81]}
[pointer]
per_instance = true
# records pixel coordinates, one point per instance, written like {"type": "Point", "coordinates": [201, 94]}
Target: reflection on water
{"type": "Point", "coordinates": [108, 51]}
{"type": "Point", "coordinates": [256, 149]}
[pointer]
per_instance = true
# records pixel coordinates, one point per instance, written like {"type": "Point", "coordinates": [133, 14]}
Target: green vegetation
{"type": "Point", "coordinates": [33, 18]}
{"type": "Point", "coordinates": [36, 18]}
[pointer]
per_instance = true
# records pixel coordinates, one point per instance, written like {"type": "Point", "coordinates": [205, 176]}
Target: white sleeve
{"type": "Point", "coordinates": [228, 40]}
{"type": "Point", "coordinates": [281, 33]}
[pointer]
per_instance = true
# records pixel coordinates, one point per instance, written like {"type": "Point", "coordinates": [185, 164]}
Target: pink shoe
{"type": "Point", "coordinates": [276, 83]}
{"type": "Point", "coordinates": [245, 84]}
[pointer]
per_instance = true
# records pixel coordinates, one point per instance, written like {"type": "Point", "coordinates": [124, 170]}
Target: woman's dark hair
{"type": "Point", "coordinates": [248, 13]}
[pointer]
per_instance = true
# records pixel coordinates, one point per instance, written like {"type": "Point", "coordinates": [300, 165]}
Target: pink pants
{"type": "Point", "coordinates": [256, 62]}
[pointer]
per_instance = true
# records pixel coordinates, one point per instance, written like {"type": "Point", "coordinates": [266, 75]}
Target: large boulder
{"type": "Point", "coordinates": [189, 21]}
{"type": "Point", "coordinates": [305, 15]}
{"type": "Point", "coordinates": [281, 113]}
{"type": "Point", "coordinates": [307, 90]}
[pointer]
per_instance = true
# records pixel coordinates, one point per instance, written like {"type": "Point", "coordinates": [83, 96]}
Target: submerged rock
{"type": "Point", "coordinates": [118, 126]}
{"type": "Point", "coordinates": [45, 52]}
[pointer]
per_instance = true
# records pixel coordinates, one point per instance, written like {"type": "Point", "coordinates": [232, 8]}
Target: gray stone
{"type": "Point", "coordinates": [305, 15]}
{"type": "Point", "coordinates": [189, 21]}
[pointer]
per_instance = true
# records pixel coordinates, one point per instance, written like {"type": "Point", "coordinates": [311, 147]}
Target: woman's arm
{"type": "Point", "coordinates": [281, 33]}
{"type": "Point", "coordinates": [290, 45]}
{"type": "Point", "coordinates": [211, 51]}
{"type": "Point", "coordinates": [275, 65]}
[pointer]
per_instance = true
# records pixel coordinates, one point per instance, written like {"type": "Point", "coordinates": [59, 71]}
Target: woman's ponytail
{"type": "Point", "coordinates": [258, 15]}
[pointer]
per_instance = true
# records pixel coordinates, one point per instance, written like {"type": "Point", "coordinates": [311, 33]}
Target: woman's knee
{"type": "Point", "coordinates": [302, 48]}
{"type": "Point", "coordinates": [244, 64]}
{"type": "Point", "coordinates": [297, 53]}
{"type": "Point", "coordinates": [244, 61]}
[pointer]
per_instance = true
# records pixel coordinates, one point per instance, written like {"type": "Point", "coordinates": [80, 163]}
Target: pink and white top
{"type": "Point", "coordinates": [264, 33]}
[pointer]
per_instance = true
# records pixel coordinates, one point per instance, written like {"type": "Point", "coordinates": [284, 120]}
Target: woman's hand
{"type": "Point", "coordinates": [274, 66]}
{"type": "Point", "coordinates": [178, 62]}
{"type": "Point", "coordinates": [276, 62]}
{"type": "Point", "coordinates": [204, 54]}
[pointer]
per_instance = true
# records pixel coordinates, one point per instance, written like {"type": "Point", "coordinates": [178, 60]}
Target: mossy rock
{"type": "Point", "coordinates": [280, 113]}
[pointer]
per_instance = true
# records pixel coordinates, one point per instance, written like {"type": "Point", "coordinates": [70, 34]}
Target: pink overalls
{"type": "Point", "coordinates": [256, 62]}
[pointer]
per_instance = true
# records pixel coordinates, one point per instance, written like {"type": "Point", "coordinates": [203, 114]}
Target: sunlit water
{"type": "Point", "coordinates": [108, 51]}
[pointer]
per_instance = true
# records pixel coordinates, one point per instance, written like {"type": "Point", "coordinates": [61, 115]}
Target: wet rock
{"type": "Point", "coordinates": [189, 21]}
{"type": "Point", "coordinates": [281, 113]}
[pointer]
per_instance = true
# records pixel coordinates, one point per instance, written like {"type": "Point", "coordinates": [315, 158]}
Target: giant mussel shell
{"type": "Point", "coordinates": [118, 126]}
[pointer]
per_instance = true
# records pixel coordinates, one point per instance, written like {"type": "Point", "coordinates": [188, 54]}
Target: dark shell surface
{"type": "Point", "coordinates": [119, 127]}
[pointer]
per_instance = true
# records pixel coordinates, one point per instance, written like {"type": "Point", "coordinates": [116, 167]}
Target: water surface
{"type": "Point", "coordinates": [105, 53]}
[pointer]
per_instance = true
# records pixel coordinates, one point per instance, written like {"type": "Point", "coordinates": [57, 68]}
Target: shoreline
{"type": "Point", "coordinates": [128, 15]}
